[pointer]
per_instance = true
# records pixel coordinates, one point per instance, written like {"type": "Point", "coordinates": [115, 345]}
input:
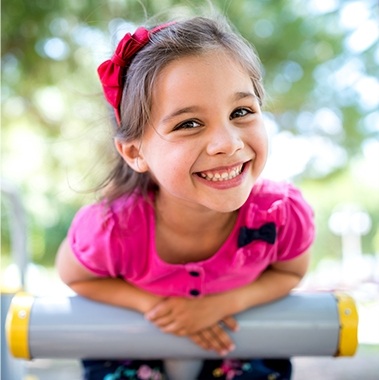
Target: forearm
{"type": "Point", "coordinates": [270, 286]}
{"type": "Point", "coordinates": [274, 283]}
{"type": "Point", "coordinates": [113, 291]}
{"type": "Point", "coordinates": [117, 292]}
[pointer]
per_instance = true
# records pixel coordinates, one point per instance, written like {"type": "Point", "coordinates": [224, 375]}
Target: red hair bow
{"type": "Point", "coordinates": [112, 72]}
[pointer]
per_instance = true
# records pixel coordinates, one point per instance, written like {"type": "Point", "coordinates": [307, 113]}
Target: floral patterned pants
{"type": "Point", "coordinates": [227, 369]}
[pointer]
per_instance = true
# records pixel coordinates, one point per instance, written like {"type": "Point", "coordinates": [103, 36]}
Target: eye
{"type": "Point", "coordinates": [188, 124]}
{"type": "Point", "coordinates": [240, 112]}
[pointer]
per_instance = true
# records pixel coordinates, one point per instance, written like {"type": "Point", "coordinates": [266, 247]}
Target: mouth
{"type": "Point", "coordinates": [220, 175]}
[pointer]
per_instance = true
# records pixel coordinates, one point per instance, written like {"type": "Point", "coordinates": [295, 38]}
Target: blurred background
{"type": "Point", "coordinates": [321, 70]}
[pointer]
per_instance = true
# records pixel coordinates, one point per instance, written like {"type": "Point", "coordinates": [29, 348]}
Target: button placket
{"type": "Point", "coordinates": [195, 279]}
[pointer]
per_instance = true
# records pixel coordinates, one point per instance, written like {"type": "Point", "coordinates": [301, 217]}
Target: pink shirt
{"type": "Point", "coordinates": [118, 240]}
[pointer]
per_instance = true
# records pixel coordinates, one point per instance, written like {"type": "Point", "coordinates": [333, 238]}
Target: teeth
{"type": "Point", "coordinates": [222, 176]}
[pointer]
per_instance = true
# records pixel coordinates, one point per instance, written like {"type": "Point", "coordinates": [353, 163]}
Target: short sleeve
{"type": "Point", "coordinates": [93, 239]}
{"type": "Point", "coordinates": [297, 233]}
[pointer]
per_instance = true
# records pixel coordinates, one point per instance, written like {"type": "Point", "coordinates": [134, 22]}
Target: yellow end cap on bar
{"type": "Point", "coordinates": [348, 318]}
{"type": "Point", "coordinates": [17, 325]}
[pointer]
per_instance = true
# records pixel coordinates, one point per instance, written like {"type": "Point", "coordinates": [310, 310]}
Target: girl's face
{"type": "Point", "coordinates": [206, 143]}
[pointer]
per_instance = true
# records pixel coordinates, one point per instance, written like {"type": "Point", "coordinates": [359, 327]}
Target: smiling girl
{"type": "Point", "coordinates": [187, 232]}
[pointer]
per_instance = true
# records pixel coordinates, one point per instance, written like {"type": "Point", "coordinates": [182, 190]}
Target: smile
{"type": "Point", "coordinates": [222, 175]}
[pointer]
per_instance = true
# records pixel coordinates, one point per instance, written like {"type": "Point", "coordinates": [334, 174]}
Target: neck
{"type": "Point", "coordinates": [188, 219]}
{"type": "Point", "coordinates": [187, 233]}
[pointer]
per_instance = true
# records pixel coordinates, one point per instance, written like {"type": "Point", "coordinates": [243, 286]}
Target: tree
{"type": "Point", "coordinates": [321, 70]}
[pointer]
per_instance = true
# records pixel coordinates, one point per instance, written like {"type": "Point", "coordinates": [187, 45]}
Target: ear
{"type": "Point", "coordinates": [130, 151]}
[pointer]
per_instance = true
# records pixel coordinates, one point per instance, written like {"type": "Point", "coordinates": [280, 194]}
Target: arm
{"type": "Point", "coordinates": [113, 291]}
{"type": "Point", "coordinates": [275, 282]}
{"type": "Point", "coordinates": [117, 292]}
{"type": "Point", "coordinates": [182, 316]}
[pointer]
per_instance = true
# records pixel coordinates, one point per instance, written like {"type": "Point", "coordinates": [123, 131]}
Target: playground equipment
{"type": "Point", "coordinates": [317, 324]}
{"type": "Point", "coordinates": [301, 324]}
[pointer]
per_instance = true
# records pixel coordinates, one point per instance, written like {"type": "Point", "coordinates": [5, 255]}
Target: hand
{"type": "Point", "coordinates": [215, 337]}
{"type": "Point", "coordinates": [183, 317]}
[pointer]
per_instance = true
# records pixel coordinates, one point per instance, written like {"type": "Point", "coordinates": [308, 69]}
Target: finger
{"type": "Point", "coordinates": [182, 332]}
{"type": "Point", "coordinates": [200, 341]}
{"type": "Point", "coordinates": [158, 312]}
{"type": "Point", "coordinates": [174, 328]}
{"type": "Point", "coordinates": [231, 323]}
{"type": "Point", "coordinates": [223, 338]}
{"type": "Point", "coordinates": [162, 322]}
{"type": "Point", "coordinates": [211, 336]}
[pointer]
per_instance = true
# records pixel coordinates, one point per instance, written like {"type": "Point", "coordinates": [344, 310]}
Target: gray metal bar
{"type": "Point", "coordinates": [74, 327]}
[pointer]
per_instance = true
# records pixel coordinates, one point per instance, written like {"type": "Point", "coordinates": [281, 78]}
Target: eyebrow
{"type": "Point", "coordinates": [242, 95]}
{"type": "Point", "coordinates": [237, 96]}
{"type": "Point", "coordinates": [179, 112]}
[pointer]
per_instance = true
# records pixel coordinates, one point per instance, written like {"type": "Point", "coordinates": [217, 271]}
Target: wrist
{"type": "Point", "coordinates": [226, 303]}
{"type": "Point", "coordinates": [236, 300]}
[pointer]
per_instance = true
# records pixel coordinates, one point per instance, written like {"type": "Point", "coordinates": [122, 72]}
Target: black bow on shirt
{"type": "Point", "coordinates": [266, 233]}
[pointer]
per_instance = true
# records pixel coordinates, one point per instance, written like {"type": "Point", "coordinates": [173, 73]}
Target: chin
{"type": "Point", "coordinates": [226, 206]}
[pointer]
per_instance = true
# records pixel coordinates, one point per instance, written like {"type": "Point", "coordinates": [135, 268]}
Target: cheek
{"type": "Point", "coordinates": [259, 141]}
{"type": "Point", "coordinates": [264, 143]}
{"type": "Point", "coordinates": [259, 144]}
{"type": "Point", "coordinates": [168, 161]}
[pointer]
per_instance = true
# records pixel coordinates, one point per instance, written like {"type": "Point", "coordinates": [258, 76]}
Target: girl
{"type": "Point", "coordinates": [186, 232]}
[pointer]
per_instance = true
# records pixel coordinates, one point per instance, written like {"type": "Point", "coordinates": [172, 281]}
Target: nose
{"type": "Point", "coordinates": [225, 139]}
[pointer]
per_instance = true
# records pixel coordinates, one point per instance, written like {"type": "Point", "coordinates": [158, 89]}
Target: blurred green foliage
{"type": "Point", "coordinates": [321, 70]}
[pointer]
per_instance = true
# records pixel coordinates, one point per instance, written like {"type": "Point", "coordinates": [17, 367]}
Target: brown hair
{"type": "Point", "coordinates": [195, 36]}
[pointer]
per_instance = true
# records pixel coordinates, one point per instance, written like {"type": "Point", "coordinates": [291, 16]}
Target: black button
{"type": "Point", "coordinates": [194, 292]}
{"type": "Point", "coordinates": [194, 273]}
